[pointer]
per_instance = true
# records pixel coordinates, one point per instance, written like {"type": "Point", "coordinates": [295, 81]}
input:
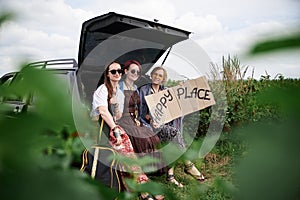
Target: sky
{"type": "Point", "coordinates": [50, 29]}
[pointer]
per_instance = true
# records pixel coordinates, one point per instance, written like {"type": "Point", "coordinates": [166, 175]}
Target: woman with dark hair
{"type": "Point", "coordinates": [107, 100]}
{"type": "Point", "coordinates": [144, 141]}
{"type": "Point", "coordinates": [170, 132]}
{"type": "Point", "coordinates": [113, 104]}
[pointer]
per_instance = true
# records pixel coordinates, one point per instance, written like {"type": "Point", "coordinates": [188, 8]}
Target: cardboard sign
{"type": "Point", "coordinates": [180, 100]}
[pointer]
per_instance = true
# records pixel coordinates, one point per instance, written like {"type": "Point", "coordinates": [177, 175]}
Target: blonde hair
{"type": "Point", "coordinates": [165, 76]}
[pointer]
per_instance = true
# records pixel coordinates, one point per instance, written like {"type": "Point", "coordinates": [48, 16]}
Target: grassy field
{"type": "Point", "coordinates": [215, 168]}
{"type": "Point", "coordinates": [259, 140]}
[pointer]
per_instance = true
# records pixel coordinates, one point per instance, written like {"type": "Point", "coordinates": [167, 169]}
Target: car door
{"type": "Point", "coordinates": [115, 37]}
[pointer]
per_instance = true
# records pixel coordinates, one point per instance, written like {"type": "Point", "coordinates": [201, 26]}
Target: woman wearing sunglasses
{"type": "Point", "coordinates": [108, 103]}
{"type": "Point", "coordinates": [170, 132]}
{"type": "Point", "coordinates": [144, 140]}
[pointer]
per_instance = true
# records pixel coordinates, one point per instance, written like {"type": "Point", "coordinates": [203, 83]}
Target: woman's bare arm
{"type": "Point", "coordinates": [108, 118]}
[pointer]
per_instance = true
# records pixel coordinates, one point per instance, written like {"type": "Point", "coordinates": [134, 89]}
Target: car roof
{"type": "Point", "coordinates": [58, 66]}
{"type": "Point", "coordinates": [6, 76]}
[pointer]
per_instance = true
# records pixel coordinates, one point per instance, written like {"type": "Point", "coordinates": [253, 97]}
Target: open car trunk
{"type": "Point", "coordinates": [116, 37]}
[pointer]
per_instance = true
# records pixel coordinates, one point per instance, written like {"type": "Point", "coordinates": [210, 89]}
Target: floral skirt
{"type": "Point", "coordinates": [126, 149]}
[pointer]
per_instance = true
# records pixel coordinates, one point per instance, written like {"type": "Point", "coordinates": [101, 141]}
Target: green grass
{"type": "Point", "coordinates": [34, 143]}
{"type": "Point", "coordinates": [218, 169]}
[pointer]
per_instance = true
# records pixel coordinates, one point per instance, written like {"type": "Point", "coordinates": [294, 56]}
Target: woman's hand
{"type": "Point", "coordinates": [137, 122]}
{"type": "Point", "coordinates": [119, 141]}
{"type": "Point", "coordinates": [155, 125]}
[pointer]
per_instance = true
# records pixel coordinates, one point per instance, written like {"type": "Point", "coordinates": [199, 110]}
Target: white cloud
{"type": "Point", "coordinates": [163, 10]}
{"type": "Point", "coordinates": [202, 26]}
{"type": "Point", "coordinates": [50, 16]}
{"type": "Point", "coordinates": [23, 43]}
{"type": "Point", "coordinates": [51, 29]}
{"type": "Point", "coordinates": [42, 29]}
{"type": "Point", "coordinates": [239, 41]}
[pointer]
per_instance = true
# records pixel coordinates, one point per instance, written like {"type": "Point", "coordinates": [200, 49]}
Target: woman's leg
{"type": "Point", "coordinates": [171, 178]}
{"type": "Point", "coordinates": [191, 169]}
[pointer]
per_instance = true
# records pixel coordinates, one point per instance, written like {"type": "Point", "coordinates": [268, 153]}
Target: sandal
{"type": "Point", "coordinates": [193, 171]}
{"type": "Point", "coordinates": [159, 197]}
{"type": "Point", "coordinates": [147, 196]}
{"type": "Point", "coordinates": [172, 179]}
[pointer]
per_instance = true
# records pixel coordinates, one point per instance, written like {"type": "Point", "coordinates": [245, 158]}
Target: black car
{"type": "Point", "coordinates": [106, 38]}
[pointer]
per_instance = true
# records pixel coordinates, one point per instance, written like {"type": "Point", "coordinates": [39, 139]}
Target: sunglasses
{"type": "Point", "coordinates": [133, 71]}
{"type": "Point", "coordinates": [114, 71]}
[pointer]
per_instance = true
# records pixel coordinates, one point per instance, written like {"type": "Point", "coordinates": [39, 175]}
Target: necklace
{"type": "Point", "coordinates": [129, 87]}
{"type": "Point", "coordinates": [154, 91]}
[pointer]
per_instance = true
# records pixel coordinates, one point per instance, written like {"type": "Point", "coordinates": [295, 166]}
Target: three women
{"type": "Point", "coordinates": [123, 104]}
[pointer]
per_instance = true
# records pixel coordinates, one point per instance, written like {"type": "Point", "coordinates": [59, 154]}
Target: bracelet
{"type": "Point", "coordinates": [117, 134]}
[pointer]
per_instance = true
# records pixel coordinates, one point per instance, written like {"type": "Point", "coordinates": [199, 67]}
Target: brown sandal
{"type": "Point", "coordinates": [147, 196]}
{"type": "Point", "coordinates": [172, 179]}
{"type": "Point", "coordinates": [193, 171]}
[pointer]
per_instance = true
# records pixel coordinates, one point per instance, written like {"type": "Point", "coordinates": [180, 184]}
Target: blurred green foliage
{"type": "Point", "coordinates": [6, 16]}
{"type": "Point", "coordinates": [258, 151]}
{"type": "Point", "coordinates": [259, 137]}
{"type": "Point", "coordinates": [270, 170]}
{"type": "Point", "coordinates": [242, 97]}
{"type": "Point", "coordinates": [40, 150]}
{"type": "Point", "coordinates": [289, 42]}
{"type": "Point", "coordinates": [37, 148]}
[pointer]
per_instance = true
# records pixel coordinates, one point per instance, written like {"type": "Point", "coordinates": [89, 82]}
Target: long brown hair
{"type": "Point", "coordinates": [107, 82]}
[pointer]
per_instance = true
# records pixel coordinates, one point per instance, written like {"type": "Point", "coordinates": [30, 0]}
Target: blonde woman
{"type": "Point", "coordinates": [169, 130]}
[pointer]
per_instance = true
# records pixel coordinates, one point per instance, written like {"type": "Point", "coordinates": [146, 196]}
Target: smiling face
{"type": "Point", "coordinates": [133, 72]}
{"type": "Point", "coordinates": [158, 76]}
{"type": "Point", "coordinates": [114, 72]}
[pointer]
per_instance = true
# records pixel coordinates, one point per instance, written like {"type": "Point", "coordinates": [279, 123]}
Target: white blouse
{"type": "Point", "coordinates": [100, 99]}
